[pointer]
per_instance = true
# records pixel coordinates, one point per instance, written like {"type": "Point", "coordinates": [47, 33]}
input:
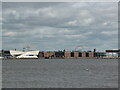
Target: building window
{"type": "Point", "coordinates": [95, 54]}
{"type": "Point", "coordinates": [80, 54]}
{"type": "Point", "coordinates": [72, 54]}
{"type": "Point", "coordinates": [87, 54]}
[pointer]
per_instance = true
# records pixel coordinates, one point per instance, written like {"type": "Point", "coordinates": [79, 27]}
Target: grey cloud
{"type": "Point", "coordinates": [65, 24]}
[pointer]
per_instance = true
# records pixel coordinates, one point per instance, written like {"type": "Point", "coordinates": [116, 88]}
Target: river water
{"type": "Point", "coordinates": [60, 73]}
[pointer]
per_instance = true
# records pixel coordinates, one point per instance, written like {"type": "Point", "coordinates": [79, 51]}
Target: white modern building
{"type": "Point", "coordinates": [112, 53]}
{"type": "Point", "coordinates": [26, 54]}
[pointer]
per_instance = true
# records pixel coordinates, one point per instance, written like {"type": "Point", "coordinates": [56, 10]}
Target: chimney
{"type": "Point", "coordinates": [94, 50]}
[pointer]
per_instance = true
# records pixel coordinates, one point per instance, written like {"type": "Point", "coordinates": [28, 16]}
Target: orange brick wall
{"type": "Point", "coordinates": [91, 54]}
{"type": "Point", "coordinates": [75, 54]}
{"type": "Point", "coordinates": [83, 54]}
{"type": "Point", "coordinates": [67, 54]}
{"type": "Point", "coordinates": [46, 54]}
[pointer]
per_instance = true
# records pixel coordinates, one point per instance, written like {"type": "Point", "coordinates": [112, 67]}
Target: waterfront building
{"type": "Point", "coordinates": [113, 53]}
{"type": "Point", "coordinates": [24, 54]}
{"type": "Point", "coordinates": [41, 54]}
{"type": "Point", "coordinates": [6, 54]}
{"type": "Point", "coordinates": [49, 55]}
{"type": "Point", "coordinates": [67, 54]}
{"type": "Point", "coordinates": [60, 54]}
{"type": "Point", "coordinates": [99, 54]}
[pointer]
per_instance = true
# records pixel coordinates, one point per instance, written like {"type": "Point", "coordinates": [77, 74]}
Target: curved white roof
{"type": "Point", "coordinates": [27, 54]}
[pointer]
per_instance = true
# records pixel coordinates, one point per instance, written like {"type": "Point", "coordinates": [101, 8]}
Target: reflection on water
{"type": "Point", "coordinates": [60, 73]}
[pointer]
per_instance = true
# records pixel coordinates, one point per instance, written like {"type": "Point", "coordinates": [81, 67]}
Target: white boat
{"type": "Point", "coordinates": [26, 54]}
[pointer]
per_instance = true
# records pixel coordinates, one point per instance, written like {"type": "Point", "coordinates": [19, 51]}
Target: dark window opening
{"type": "Point", "coordinates": [95, 54]}
{"type": "Point", "coordinates": [80, 54]}
{"type": "Point", "coordinates": [30, 55]}
{"type": "Point", "coordinates": [59, 54]}
{"type": "Point", "coordinates": [72, 54]}
{"type": "Point", "coordinates": [87, 54]}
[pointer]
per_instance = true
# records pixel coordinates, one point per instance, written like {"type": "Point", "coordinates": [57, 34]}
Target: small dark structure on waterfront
{"type": "Point", "coordinates": [6, 54]}
{"type": "Point", "coordinates": [59, 54]}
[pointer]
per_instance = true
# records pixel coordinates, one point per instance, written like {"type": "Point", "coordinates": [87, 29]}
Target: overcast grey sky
{"type": "Point", "coordinates": [58, 26]}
